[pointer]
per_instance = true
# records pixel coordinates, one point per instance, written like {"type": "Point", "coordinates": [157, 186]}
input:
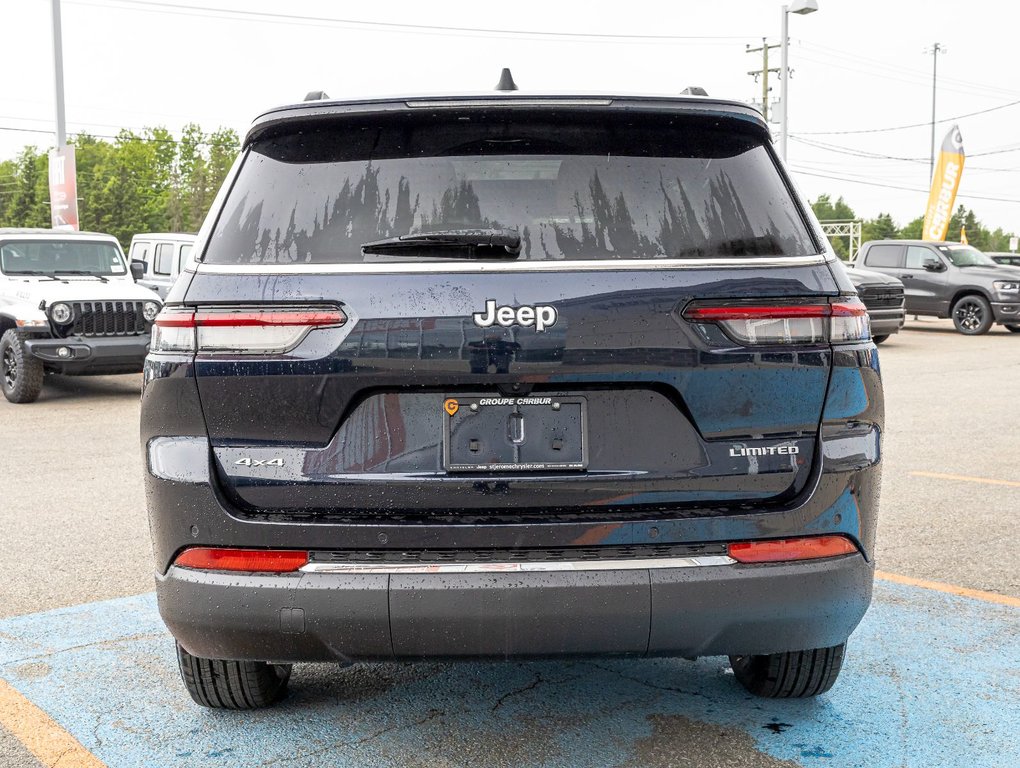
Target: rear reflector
{"type": "Point", "coordinates": [781, 550]}
{"type": "Point", "coordinates": [250, 560]}
{"type": "Point", "coordinates": [843, 321]}
{"type": "Point", "coordinates": [239, 330]}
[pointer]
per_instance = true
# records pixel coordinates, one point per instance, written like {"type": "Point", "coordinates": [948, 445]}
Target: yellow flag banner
{"type": "Point", "coordinates": [944, 184]}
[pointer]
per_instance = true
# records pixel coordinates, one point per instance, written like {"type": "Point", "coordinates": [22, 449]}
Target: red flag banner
{"type": "Point", "coordinates": [63, 189]}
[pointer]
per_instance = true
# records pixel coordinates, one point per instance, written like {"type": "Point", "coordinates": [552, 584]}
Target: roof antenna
{"type": "Point", "coordinates": [316, 96]}
{"type": "Point", "coordinates": [506, 81]}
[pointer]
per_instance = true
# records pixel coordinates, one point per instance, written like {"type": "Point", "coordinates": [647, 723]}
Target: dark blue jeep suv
{"type": "Point", "coordinates": [511, 376]}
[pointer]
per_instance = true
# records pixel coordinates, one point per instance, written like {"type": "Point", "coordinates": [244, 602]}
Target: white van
{"type": "Point", "coordinates": [162, 254]}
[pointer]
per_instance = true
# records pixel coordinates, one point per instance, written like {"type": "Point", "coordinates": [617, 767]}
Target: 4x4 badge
{"type": "Point", "coordinates": [541, 316]}
{"type": "Point", "coordinates": [250, 462]}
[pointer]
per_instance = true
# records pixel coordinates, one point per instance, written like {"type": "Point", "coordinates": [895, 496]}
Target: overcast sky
{"type": "Point", "coordinates": [859, 65]}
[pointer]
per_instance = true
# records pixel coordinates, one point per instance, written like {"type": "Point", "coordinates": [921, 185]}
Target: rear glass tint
{"type": "Point", "coordinates": [575, 186]}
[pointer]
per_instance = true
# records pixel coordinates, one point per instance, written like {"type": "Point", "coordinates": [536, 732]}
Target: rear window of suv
{"type": "Point", "coordinates": [574, 185]}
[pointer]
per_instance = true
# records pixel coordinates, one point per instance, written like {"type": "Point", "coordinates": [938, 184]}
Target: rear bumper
{"type": "Point", "coordinates": [96, 355]}
{"type": "Point", "coordinates": [693, 611]}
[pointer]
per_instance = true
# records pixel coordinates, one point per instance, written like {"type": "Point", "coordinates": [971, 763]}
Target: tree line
{"type": "Point", "coordinates": [882, 227]}
{"type": "Point", "coordinates": [135, 182]}
{"type": "Point", "coordinates": [153, 182]}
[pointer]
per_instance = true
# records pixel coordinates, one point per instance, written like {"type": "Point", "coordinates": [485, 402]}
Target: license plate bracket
{"type": "Point", "coordinates": [534, 433]}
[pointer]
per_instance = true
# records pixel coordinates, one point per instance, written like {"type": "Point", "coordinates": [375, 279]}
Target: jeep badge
{"type": "Point", "coordinates": [541, 316]}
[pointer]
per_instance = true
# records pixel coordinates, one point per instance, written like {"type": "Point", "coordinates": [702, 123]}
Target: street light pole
{"type": "Point", "coordinates": [58, 68]}
{"type": "Point", "coordinates": [784, 75]}
{"type": "Point", "coordinates": [935, 49]}
{"type": "Point", "coordinates": [800, 7]}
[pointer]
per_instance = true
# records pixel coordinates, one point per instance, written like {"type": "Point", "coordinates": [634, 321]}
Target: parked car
{"type": "Point", "coordinates": [1004, 257]}
{"type": "Point", "coordinates": [160, 255]}
{"type": "Point", "coordinates": [949, 280]}
{"type": "Point", "coordinates": [883, 297]}
{"type": "Point", "coordinates": [68, 304]}
{"type": "Point", "coordinates": [525, 376]}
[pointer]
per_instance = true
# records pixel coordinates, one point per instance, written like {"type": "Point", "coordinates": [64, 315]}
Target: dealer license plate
{"type": "Point", "coordinates": [487, 433]}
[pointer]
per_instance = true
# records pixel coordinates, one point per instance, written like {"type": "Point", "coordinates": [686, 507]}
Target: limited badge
{"type": "Point", "coordinates": [451, 406]}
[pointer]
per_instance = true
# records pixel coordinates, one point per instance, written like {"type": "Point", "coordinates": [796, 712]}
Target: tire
{"type": "Point", "coordinates": [880, 339]}
{"type": "Point", "coordinates": [1012, 328]}
{"type": "Point", "coordinates": [21, 375]}
{"type": "Point", "coordinates": [972, 315]}
{"type": "Point", "coordinates": [789, 675]}
{"type": "Point", "coordinates": [221, 684]}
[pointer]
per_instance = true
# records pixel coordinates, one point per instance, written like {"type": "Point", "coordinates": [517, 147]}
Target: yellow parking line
{"type": "Point", "coordinates": [967, 479]}
{"type": "Point", "coordinates": [52, 745]}
{"type": "Point", "coordinates": [952, 589]}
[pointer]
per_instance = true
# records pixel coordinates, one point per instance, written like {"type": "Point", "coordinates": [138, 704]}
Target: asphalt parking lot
{"type": "Point", "coordinates": [933, 676]}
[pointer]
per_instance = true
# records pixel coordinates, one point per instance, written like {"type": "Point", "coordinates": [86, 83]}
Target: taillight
{"type": "Point", "coordinates": [782, 550]}
{"type": "Point", "coordinates": [249, 560]}
{"type": "Point", "coordinates": [239, 330]}
{"type": "Point", "coordinates": [174, 331]}
{"type": "Point", "coordinates": [838, 322]}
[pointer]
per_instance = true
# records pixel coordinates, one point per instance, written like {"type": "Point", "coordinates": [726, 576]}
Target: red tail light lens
{"type": "Point", "coordinates": [249, 560]}
{"type": "Point", "coordinates": [782, 550]}
{"type": "Point", "coordinates": [242, 331]}
{"type": "Point", "coordinates": [845, 321]}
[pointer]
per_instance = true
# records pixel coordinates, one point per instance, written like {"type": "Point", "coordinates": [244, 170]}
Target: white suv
{"type": "Point", "coordinates": [161, 256]}
{"type": "Point", "coordinates": [68, 304]}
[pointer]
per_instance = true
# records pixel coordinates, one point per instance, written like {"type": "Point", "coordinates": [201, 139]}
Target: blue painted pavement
{"type": "Point", "coordinates": [931, 680]}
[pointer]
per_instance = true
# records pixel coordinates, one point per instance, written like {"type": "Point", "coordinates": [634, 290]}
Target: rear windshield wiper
{"type": "Point", "coordinates": [81, 273]}
{"type": "Point", "coordinates": [462, 243]}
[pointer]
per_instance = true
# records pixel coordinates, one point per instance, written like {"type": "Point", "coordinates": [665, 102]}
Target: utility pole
{"type": "Point", "coordinates": [935, 50]}
{"type": "Point", "coordinates": [763, 73]}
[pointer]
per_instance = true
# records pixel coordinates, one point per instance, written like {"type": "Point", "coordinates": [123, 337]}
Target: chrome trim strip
{"type": "Point", "coordinates": [448, 267]}
{"type": "Point", "coordinates": [525, 567]}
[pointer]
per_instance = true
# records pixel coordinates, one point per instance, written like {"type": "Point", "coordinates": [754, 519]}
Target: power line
{"type": "Point", "coordinates": [922, 76]}
{"type": "Point", "coordinates": [152, 6]}
{"type": "Point", "coordinates": [854, 152]}
{"type": "Point", "coordinates": [897, 186]}
{"type": "Point", "coordinates": [862, 69]}
{"type": "Point", "coordinates": [89, 123]}
{"type": "Point", "coordinates": [911, 125]}
{"type": "Point", "coordinates": [132, 136]}
{"type": "Point", "coordinates": [887, 77]}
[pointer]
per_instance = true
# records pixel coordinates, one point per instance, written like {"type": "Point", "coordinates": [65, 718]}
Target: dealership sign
{"type": "Point", "coordinates": [63, 189]}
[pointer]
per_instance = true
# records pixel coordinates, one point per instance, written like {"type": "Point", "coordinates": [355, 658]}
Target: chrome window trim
{"type": "Point", "coordinates": [522, 567]}
{"type": "Point", "coordinates": [471, 267]}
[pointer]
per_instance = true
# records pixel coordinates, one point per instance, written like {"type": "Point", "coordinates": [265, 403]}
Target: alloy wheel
{"type": "Point", "coordinates": [10, 368]}
{"type": "Point", "coordinates": [969, 315]}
